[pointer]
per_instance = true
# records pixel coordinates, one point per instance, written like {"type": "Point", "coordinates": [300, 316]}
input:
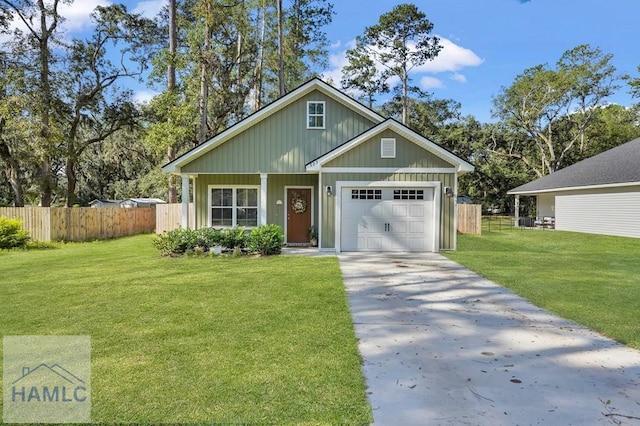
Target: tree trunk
{"type": "Point", "coordinates": [257, 87]}
{"type": "Point", "coordinates": [72, 181]}
{"type": "Point", "coordinates": [13, 172]}
{"type": "Point", "coordinates": [172, 192]}
{"type": "Point", "coordinates": [281, 49]}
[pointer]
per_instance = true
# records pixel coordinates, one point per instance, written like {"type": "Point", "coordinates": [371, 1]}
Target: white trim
{"type": "Point", "coordinates": [233, 206]}
{"type": "Point", "coordinates": [461, 166]}
{"type": "Point", "coordinates": [289, 98]}
{"type": "Point", "coordinates": [575, 188]}
{"type": "Point", "coordinates": [437, 201]}
{"type": "Point", "coordinates": [320, 207]}
{"type": "Point", "coordinates": [323, 115]}
{"type": "Point", "coordinates": [390, 143]}
{"type": "Point", "coordinates": [262, 200]}
{"type": "Point", "coordinates": [286, 206]}
{"type": "Point", "coordinates": [185, 201]}
{"type": "Point", "coordinates": [387, 170]}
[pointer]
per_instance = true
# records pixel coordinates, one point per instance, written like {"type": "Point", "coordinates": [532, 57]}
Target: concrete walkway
{"type": "Point", "coordinates": [443, 346]}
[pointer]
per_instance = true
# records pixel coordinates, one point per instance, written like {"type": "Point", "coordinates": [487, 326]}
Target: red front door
{"type": "Point", "coordinates": [298, 215]}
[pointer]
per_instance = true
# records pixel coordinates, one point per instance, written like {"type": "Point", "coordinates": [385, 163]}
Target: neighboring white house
{"type": "Point", "coordinates": [141, 202]}
{"type": "Point", "coordinates": [101, 204]}
{"type": "Point", "coordinates": [598, 195]}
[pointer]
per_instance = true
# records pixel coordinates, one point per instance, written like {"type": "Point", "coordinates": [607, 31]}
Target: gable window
{"type": "Point", "coordinates": [315, 115]}
{"type": "Point", "coordinates": [388, 148]}
{"type": "Point", "coordinates": [233, 206]}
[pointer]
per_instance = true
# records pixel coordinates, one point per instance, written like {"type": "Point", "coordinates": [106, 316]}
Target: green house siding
{"type": "Point", "coordinates": [408, 154]}
{"type": "Point", "coordinates": [276, 185]}
{"type": "Point", "coordinates": [447, 208]}
{"type": "Point", "coordinates": [281, 143]}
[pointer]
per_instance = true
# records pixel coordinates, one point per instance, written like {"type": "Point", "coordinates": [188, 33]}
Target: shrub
{"type": "Point", "coordinates": [11, 234]}
{"type": "Point", "coordinates": [233, 237]}
{"type": "Point", "coordinates": [208, 237]}
{"type": "Point", "coordinates": [266, 239]}
{"type": "Point", "coordinates": [176, 241]}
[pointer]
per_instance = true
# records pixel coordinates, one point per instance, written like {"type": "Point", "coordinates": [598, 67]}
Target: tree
{"type": "Point", "coordinates": [399, 42]}
{"type": "Point", "coordinates": [541, 97]}
{"type": "Point", "coordinates": [96, 107]}
{"type": "Point", "coordinates": [362, 75]}
{"type": "Point", "coordinates": [39, 58]}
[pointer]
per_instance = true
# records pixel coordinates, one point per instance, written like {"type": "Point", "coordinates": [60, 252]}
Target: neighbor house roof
{"type": "Point", "coordinates": [619, 166]}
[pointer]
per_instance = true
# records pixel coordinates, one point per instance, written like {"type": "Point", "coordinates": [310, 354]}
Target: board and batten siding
{"type": "Point", "coordinates": [276, 184]}
{"type": "Point", "coordinates": [281, 143]}
{"type": "Point", "coordinates": [408, 154]}
{"type": "Point", "coordinates": [614, 211]}
{"type": "Point", "coordinates": [447, 208]}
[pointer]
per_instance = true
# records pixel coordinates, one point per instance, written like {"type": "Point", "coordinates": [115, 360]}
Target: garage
{"type": "Point", "coordinates": [387, 219]}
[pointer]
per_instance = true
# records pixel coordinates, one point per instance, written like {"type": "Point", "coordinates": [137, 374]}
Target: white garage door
{"type": "Point", "coordinates": [387, 219]}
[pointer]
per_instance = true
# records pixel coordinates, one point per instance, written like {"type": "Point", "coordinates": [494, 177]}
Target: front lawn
{"type": "Point", "coordinates": [225, 340]}
{"type": "Point", "coordinates": [591, 279]}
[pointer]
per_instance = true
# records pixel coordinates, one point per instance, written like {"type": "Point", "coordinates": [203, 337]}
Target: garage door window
{"type": "Point", "coordinates": [366, 194]}
{"type": "Point", "coordinates": [408, 194]}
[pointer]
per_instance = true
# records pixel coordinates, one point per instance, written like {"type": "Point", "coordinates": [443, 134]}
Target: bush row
{"type": "Point", "coordinates": [264, 239]}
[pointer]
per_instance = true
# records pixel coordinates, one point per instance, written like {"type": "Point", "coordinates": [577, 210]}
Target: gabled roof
{"type": "Point", "coordinates": [619, 166]}
{"type": "Point", "coordinates": [390, 124]}
{"type": "Point", "coordinates": [220, 138]}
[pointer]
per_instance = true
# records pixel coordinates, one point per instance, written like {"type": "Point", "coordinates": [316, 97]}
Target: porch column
{"type": "Point", "coordinates": [262, 220]}
{"type": "Point", "coordinates": [517, 210]}
{"type": "Point", "coordinates": [185, 201]}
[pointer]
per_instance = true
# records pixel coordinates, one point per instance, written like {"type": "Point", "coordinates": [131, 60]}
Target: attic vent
{"type": "Point", "coordinates": [388, 148]}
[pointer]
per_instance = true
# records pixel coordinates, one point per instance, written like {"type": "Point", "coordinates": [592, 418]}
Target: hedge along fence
{"type": "Point", "coordinates": [81, 223]}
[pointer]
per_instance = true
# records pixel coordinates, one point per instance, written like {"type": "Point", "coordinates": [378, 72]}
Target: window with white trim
{"type": "Point", "coordinates": [315, 115]}
{"type": "Point", "coordinates": [388, 148]}
{"type": "Point", "coordinates": [233, 206]}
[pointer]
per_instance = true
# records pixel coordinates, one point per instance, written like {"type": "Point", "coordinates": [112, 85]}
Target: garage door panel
{"type": "Point", "coordinates": [417, 227]}
{"type": "Point", "coordinates": [416, 210]}
{"type": "Point", "coordinates": [398, 210]}
{"type": "Point", "coordinates": [399, 220]}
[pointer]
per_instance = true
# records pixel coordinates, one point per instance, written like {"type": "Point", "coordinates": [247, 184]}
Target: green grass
{"type": "Point", "coordinates": [226, 340]}
{"type": "Point", "coordinates": [593, 280]}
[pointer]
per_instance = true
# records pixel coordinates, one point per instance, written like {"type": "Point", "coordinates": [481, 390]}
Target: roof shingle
{"type": "Point", "coordinates": [617, 165]}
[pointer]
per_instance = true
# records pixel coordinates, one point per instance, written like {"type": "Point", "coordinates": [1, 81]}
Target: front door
{"type": "Point", "coordinates": [298, 215]}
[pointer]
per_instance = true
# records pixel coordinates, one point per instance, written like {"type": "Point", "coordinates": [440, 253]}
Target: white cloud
{"type": "Point", "coordinates": [144, 96]}
{"type": "Point", "coordinates": [460, 78]}
{"type": "Point", "coordinates": [427, 82]}
{"type": "Point", "coordinates": [78, 14]}
{"type": "Point", "coordinates": [149, 8]}
{"type": "Point", "coordinates": [451, 58]}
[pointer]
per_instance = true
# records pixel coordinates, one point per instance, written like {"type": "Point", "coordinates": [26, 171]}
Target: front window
{"type": "Point", "coordinates": [315, 115]}
{"type": "Point", "coordinates": [234, 207]}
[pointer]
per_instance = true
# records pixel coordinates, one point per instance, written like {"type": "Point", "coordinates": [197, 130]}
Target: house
{"type": "Point", "coordinates": [101, 204]}
{"type": "Point", "coordinates": [598, 195]}
{"type": "Point", "coordinates": [141, 202]}
{"type": "Point", "coordinates": [317, 159]}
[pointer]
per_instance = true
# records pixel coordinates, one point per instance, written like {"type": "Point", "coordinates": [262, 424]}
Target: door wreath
{"type": "Point", "coordinates": [298, 205]}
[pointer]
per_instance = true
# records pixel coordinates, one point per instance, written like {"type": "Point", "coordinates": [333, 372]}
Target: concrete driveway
{"type": "Point", "coordinates": [442, 345]}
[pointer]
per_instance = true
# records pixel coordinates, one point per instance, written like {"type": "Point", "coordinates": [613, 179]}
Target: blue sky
{"type": "Point", "coordinates": [487, 43]}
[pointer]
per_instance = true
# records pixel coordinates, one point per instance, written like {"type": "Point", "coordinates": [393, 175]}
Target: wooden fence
{"type": "Point", "coordinates": [469, 218]}
{"type": "Point", "coordinates": [81, 223]}
{"type": "Point", "coordinates": [169, 216]}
